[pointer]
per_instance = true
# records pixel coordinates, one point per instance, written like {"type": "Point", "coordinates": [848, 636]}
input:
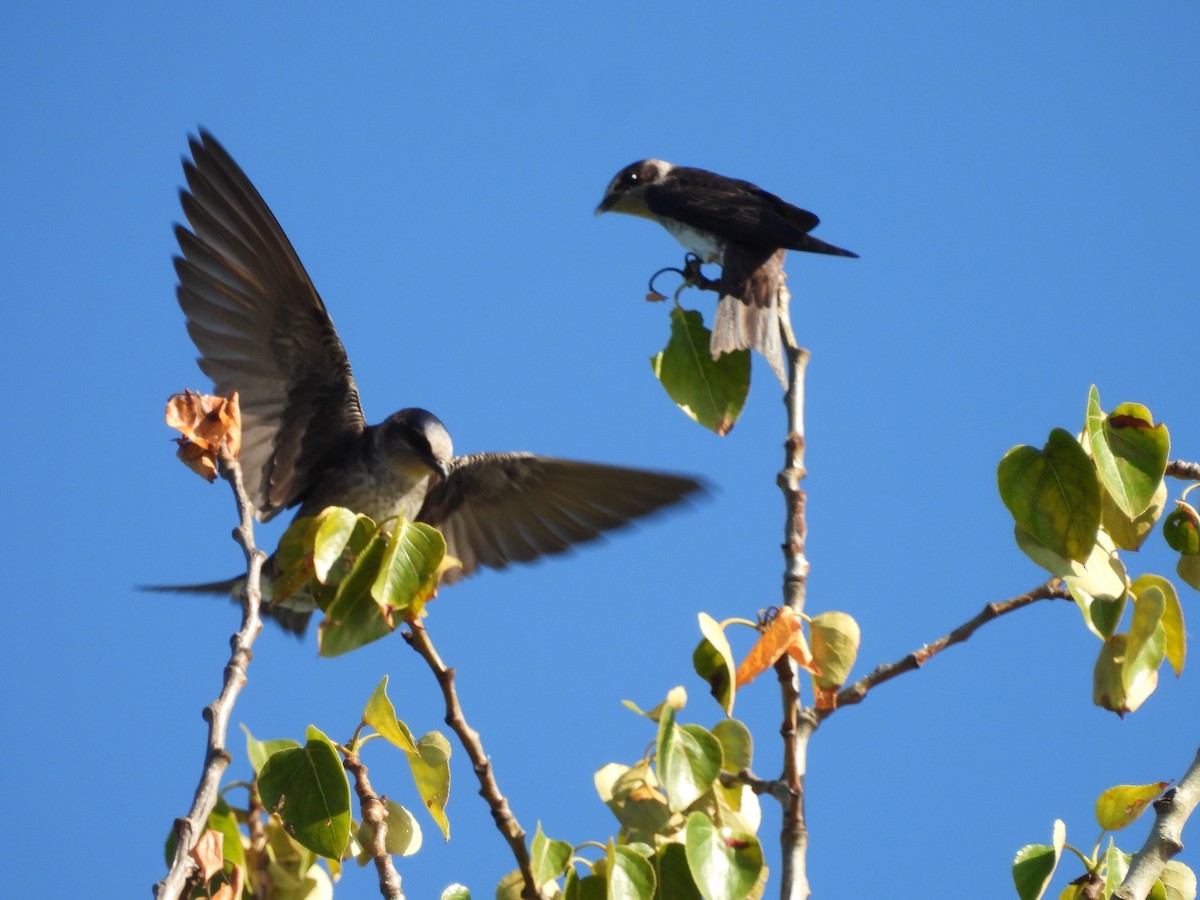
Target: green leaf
{"type": "Point", "coordinates": [1181, 529]}
{"type": "Point", "coordinates": [737, 744]}
{"type": "Point", "coordinates": [1053, 493]}
{"type": "Point", "coordinates": [1035, 864]}
{"type": "Point", "coordinates": [1130, 533]}
{"type": "Point", "coordinates": [688, 759]}
{"type": "Point", "coordinates": [1174, 633]}
{"type": "Point", "coordinates": [1122, 805]}
{"type": "Point", "coordinates": [403, 836]}
{"type": "Point", "coordinates": [431, 773]}
{"type": "Point", "coordinates": [725, 864]}
{"type": "Point", "coordinates": [548, 857]}
{"type": "Point", "coordinates": [1188, 568]}
{"type": "Point", "coordinates": [458, 892]}
{"type": "Point", "coordinates": [630, 875]}
{"type": "Point", "coordinates": [331, 534]}
{"type": "Point", "coordinates": [259, 751]}
{"type": "Point", "coordinates": [1130, 452]}
{"type": "Point", "coordinates": [835, 638]}
{"type": "Point", "coordinates": [632, 794]}
{"type": "Point", "coordinates": [308, 787]}
{"type": "Point", "coordinates": [1101, 576]}
{"type": "Point", "coordinates": [1178, 881]}
{"type": "Point", "coordinates": [591, 887]}
{"type": "Point", "coordinates": [353, 618]}
{"type": "Point", "coordinates": [381, 715]}
{"type": "Point", "coordinates": [712, 392]}
{"type": "Point", "coordinates": [1147, 644]}
{"type": "Point", "coordinates": [674, 878]}
{"type": "Point", "coordinates": [713, 661]}
{"type": "Point", "coordinates": [408, 574]}
{"type": "Point", "coordinates": [1116, 867]}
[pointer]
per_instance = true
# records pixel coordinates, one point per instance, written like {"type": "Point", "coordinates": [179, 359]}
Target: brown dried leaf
{"type": "Point", "coordinates": [201, 461]}
{"type": "Point", "coordinates": [208, 853]}
{"type": "Point", "coordinates": [205, 421]}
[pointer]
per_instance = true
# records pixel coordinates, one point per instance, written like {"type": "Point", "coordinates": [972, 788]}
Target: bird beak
{"type": "Point", "coordinates": [605, 204]}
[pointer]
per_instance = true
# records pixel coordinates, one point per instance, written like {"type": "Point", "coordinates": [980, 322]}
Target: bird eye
{"type": "Point", "coordinates": [630, 178]}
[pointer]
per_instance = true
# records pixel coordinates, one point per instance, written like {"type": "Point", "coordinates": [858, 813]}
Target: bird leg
{"type": "Point", "coordinates": [692, 274]}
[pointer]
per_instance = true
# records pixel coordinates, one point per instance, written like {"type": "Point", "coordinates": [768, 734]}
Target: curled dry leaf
{"type": "Point", "coordinates": [783, 634]}
{"type": "Point", "coordinates": [205, 421]}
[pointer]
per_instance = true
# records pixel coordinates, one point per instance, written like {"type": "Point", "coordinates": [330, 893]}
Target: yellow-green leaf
{"type": "Point", "coordinates": [381, 715]}
{"type": "Point", "coordinates": [1174, 633]}
{"type": "Point", "coordinates": [835, 641]}
{"type": "Point", "coordinates": [1053, 493]}
{"type": "Point", "coordinates": [1130, 452]}
{"type": "Point", "coordinates": [1122, 805]}
{"type": "Point", "coordinates": [713, 661]}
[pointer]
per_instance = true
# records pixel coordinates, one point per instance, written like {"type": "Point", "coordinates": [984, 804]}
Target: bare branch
{"type": "Point", "coordinates": [216, 759]}
{"type": "Point", "coordinates": [1166, 837]}
{"type": "Point", "coordinates": [1185, 471]}
{"type": "Point", "coordinates": [506, 822]}
{"type": "Point", "coordinates": [798, 724]}
{"type": "Point", "coordinates": [857, 692]}
{"type": "Point", "coordinates": [375, 813]}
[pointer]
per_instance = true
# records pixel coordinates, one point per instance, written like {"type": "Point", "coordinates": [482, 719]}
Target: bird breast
{"type": "Point", "coordinates": [378, 491]}
{"type": "Point", "coordinates": [704, 244]}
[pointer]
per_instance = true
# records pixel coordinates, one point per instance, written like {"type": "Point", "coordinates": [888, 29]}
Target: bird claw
{"type": "Point", "coordinates": [690, 273]}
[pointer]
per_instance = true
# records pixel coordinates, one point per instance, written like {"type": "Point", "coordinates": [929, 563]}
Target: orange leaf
{"type": "Point", "coordinates": [776, 639]}
{"type": "Point", "coordinates": [801, 655]}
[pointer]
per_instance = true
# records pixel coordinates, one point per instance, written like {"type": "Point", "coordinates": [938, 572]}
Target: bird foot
{"type": "Point", "coordinates": [693, 274]}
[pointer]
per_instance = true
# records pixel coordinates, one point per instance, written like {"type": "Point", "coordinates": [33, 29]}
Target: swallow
{"type": "Point", "coordinates": [736, 224]}
{"type": "Point", "coordinates": [262, 330]}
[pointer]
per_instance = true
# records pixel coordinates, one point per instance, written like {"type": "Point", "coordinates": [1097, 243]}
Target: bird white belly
{"type": "Point", "coordinates": [704, 244]}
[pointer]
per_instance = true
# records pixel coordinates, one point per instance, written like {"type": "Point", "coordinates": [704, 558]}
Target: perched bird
{"type": "Point", "coordinates": [735, 224]}
{"type": "Point", "coordinates": [263, 331]}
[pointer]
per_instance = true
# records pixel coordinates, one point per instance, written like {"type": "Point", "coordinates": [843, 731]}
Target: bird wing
{"type": "Point", "coordinates": [730, 208]}
{"type": "Point", "coordinates": [261, 330]}
{"type": "Point", "coordinates": [499, 508]}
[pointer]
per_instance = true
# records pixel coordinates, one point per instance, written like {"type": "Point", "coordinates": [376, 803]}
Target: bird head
{"type": "Point", "coordinates": [627, 191]}
{"type": "Point", "coordinates": [415, 440]}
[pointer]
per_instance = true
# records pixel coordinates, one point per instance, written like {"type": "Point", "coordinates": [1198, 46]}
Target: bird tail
{"type": "Point", "coordinates": [811, 244]}
{"type": "Point", "coordinates": [291, 620]}
{"type": "Point", "coordinates": [748, 311]}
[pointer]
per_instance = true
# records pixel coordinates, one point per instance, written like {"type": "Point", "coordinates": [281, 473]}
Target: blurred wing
{"type": "Point", "coordinates": [261, 330]}
{"type": "Point", "coordinates": [499, 508]}
{"type": "Point", "coordinates": [733, 209]}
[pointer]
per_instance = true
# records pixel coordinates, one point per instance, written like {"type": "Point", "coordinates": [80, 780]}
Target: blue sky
{"type": "Point", "coordinates": [1020, 180]}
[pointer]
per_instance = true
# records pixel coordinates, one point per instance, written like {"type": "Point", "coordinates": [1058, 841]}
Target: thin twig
{"type": "Point", "coordinates": [506, 822]}
{"type": "Point", "coordinates": [857, 692]}
{"type": "Point", "coordinates": [216, 759]}
{"type": "Point", "coordinates": [1166, 836]}
{"type": "Point", "coordinates": [375, 813]}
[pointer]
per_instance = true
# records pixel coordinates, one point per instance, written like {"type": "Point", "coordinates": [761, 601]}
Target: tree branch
{"type": "Point", "coordinates": [1185, 471]}
{"type": "Point", "coordinates": [798, 724]}
{"type": "Point", "coordinates": [216, 759]}
{"type": "Point", "coordinates": [857, 692]}
{"type": "Point", "coordinates": [375, 813]}
{"type": "Point", "coordinates": [1166, 836]}
{"type": "Point", "coordinates": [506, 822]}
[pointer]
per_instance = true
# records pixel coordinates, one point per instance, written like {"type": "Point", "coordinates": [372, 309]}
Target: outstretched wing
{"type": "Point", "coordinates": [261, 330]}
{"type": "Point", "coordinates": [735, 210]}
{"type": "Point", "coordinates": [499, 508]}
